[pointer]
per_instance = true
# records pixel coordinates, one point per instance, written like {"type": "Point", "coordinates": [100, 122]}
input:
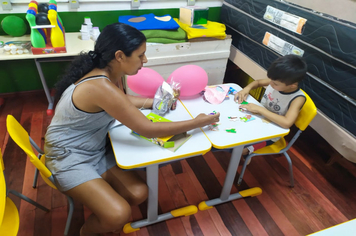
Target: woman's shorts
{"type": "Point", "coordinates": [71, 167]}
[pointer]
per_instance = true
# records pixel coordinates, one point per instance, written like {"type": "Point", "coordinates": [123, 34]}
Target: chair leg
{"type": "Point", "coordinates": [70, 214]}
{"type": "Point", "coordinates": [290, 169]}
{"type": "Point", "coordinates": [247, 159]}
{"type": "Point", "coordinates": [28, 200]}
{"type": "Point", "coordinates": [34, 185]}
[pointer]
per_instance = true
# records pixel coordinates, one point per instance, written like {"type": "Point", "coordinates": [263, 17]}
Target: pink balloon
{"type": "Point", "coordinates": [193, 79]}
{"type": "Point", "coordinates": [145, 82]}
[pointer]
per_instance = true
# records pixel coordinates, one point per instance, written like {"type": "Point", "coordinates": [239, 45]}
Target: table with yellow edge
{"type": "Point", "coordinates": [133, 152]}
{"type": "Point", "coordinates": [250, 132]}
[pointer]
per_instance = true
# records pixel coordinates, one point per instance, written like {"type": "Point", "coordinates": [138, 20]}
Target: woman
{"type": "Point", "coordinates": [77, 151]}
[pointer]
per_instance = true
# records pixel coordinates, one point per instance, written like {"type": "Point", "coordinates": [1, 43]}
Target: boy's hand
{"type": "Point", "coordinates": [252, 108]}
{"type": "Point", "coordinates": [241, 95]}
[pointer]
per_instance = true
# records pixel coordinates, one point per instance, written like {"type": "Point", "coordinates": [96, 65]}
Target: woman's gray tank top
{"type": "Point", "coordinates": [74, 128]}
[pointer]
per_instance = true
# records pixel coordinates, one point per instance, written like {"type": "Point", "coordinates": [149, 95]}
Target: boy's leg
{"type": "Point", "coordinates": [217, 150]}
{"type": "Point", "coordinates": [251, 148]}
{"type": "Point", "coordinates": [247, 149]}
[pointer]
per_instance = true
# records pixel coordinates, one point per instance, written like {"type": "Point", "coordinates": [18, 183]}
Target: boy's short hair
{"type": "Point", "coordinates": [288, 69]}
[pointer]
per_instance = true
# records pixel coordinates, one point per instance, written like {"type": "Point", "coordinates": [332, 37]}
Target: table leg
{"type": "Point", "coordinates": [152, 207]}
{"type": "Point", "coordinates": [225, 195]}
{"type": "Point", "coordinates": [45, 87]}
{"type": "Point", "coordinates": [152, 183]}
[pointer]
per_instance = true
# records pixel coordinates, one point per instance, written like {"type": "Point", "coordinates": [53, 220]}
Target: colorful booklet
{"type": "Point", "coordinates": [172, 142]}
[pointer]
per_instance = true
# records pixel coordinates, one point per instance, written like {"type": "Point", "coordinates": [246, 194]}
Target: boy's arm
{"type": "Point", "coordinates": [284, 121]}
{"type": "Point", "coordinates": [242, 94]}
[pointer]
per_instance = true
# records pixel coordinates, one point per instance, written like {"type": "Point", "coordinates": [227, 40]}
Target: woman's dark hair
{"type": "Point", "coordinates": [288, 69]}
{"type": "Point", "coordinates": [114, 37]}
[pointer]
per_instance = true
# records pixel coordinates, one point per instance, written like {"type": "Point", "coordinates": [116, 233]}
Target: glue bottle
{"type": "Point", "coordinates": [87, 21]}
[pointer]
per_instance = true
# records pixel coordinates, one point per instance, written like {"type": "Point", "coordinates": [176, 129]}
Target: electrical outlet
{"type": "Point", "coordinates": [191, 2]}
{"type": "Point", "coordinates": [73, 4]}
{"type": "Point", "coordinates": [135, 3]}
{"type": "Point", "coordinates": [6, 5]}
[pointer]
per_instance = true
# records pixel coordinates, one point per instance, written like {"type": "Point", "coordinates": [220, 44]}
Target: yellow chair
{"type": "Point", "coordinates": [306, 115]}
{"type": "Point", "coordinates": [9, 215]}
{"type": "Point", "coordinates": [23, 140]}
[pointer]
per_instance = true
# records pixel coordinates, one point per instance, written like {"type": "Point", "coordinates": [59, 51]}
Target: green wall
{"type": "Point", "coordinates": [22, 75]}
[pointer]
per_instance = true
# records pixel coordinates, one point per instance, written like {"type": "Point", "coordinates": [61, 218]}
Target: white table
{"type": "Point", "coordinates": [246, 133]}
{"type": "Point", "coordinates": [132, 152]}
{"type": "Point", "coordinates": [345, 229]}
{"type": "Point", "coordinates": [74, 45]}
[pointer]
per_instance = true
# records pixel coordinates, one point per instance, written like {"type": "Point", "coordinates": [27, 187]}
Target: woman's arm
{"type": "Point", "coordinates": [139, 102]}
{"type": "Point", "coordinates": [111, 99]}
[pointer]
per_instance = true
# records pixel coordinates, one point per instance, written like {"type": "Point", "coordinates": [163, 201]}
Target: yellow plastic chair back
{"type": "Point", "coordinates": [9, 215]}
{"type": "Point", "coordinates": [306, 114]}
{"type": "Point", "coordinates": [22, 139]}
{"type": "Point", "coordinates": [2, 166]}
{"type": "Point", "coordinates": [2, 190]}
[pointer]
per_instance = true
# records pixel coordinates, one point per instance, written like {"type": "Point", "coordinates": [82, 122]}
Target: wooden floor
{"type": "Point", "coordinates": [324, 193]}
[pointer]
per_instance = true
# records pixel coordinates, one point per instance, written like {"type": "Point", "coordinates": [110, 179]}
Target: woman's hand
{"type": "Point", "coordinates": [241, 95]}
{"type": "Point", "coordinates": [203, 119]}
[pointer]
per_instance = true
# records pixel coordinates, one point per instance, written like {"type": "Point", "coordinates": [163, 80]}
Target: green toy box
{"type": "Point", "coordinates": [193, 15]}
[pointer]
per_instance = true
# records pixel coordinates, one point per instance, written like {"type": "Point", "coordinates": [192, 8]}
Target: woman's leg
{"type": "Point", "coordinates": [110, 210]}
{"type": "Point", "coordinates": [128, 184]}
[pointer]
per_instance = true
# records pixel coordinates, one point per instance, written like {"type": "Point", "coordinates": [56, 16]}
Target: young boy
{"type": "Point", "coordinates": [282, 99]}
